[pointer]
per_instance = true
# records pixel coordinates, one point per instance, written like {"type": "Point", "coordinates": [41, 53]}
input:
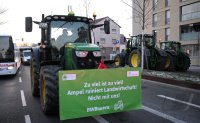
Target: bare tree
{"type": "Point", "coordinates": [2, 11]}
{"type": "Point", "coordinates": [86, 4]}
{"type": "Point", "coordinates": [141, 12]}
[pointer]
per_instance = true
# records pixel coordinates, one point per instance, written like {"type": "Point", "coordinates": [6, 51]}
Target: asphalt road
{"type": "Point", "coordinates": [162, 103]}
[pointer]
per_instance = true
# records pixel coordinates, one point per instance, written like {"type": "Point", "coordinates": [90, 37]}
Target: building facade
{"type": "Point", "coordinates": [178, 20]}
{"type": "Point", "coordinates": [109, 43]}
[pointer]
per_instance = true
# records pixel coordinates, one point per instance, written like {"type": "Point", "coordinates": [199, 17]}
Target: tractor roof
{"type": "Point", "coordinates": [67, 18]}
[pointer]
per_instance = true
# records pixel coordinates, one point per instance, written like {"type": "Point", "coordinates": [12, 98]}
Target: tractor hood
{"type": "Point", "coordinates": [83, 46]}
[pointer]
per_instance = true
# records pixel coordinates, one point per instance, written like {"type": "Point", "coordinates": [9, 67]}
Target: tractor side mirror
{"type": "Point", "coordinates": [107, 26]}
{"type": "Point", "coordinates": [28, 24]}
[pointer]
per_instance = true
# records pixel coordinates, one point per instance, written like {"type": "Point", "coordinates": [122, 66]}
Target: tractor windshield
{"type": "Point", "coordinates": [149, 41]}
{"type": "Point", "coordinates": [175, 46]}
{"type": "Point", "coordinates": [63, 32]}
{"type": "Point", "coordinates": [169, 46]}
{"type": "Point", "coordinates": [165, 46]}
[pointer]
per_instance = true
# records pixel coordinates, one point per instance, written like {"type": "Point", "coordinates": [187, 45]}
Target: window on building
{"type": "Point", "coordinates": [114, 31]}
{"type": "Point", "coordinates": [167, 17]}
{"type": "Point", "coordinates": [103, 50]}
{"type": "Point", "coordinates": [155, 20]}
{"type": "Point", "coordinates": [102, 30]}
{"type": "Point", "coordinates": [191, 11]}
{"type": "Point", "coordinates": [167, 3]}
{"type": "Point", "coordinates": [190, 32]}
{"type": "Point", "coordinates": [102, 40]}
{"type": "Point", "coordinates": [167, 34]}
{"type": "Point", "coordinates": [114, 41]}
{"type": "Point", "coordinates": [155, 35]}
{"type": "Point", "coordinates": [155, 3]}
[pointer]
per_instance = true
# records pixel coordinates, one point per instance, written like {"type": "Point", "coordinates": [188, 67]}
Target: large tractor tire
{"type": "Point", "coordinates": [134, 59]}
{"type": "Point", "coordinates": [49, 89]}
{"type": "Point", "coordinates": [119, 60]}
{"type": "Point", "coordinates": [161, 65]}
{"type": "Point", "coordinates": [183, 63]}
{"type": "Point", "coordinates": [34, 77]}
{"type": "Point", "coordinates": [187, 63]}
{"type": "Point", "coordinates": [170, 63]}
{"type": "Point", "coordinates": [164, 61]}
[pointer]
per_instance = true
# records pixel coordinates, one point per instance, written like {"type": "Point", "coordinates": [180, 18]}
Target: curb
{"type": "Point", "coordinates": [172, 82]}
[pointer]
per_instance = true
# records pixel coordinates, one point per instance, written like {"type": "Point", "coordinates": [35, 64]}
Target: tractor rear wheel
{"type": "Point", "coordinates": [34, 77]}
{"type": "Point", "coordinates": [49, 89]}
{"type": "Point", "coordinates": [187, 63]}
{"type": "Point", "coordinates": [119, 60]}
{"type": "Point", "coordinates": [161, 64]}
{"type": "Point", "coordinates": [134, 59]}
{"type": "Point", "coordinates": [183, 62]}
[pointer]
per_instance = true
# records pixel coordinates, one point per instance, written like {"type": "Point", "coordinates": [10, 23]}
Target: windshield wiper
{"type": "Point", "coordinates": [61, 26]}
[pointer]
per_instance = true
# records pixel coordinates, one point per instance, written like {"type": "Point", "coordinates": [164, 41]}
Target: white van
{"type": "Point", "coordinates": [26, 56]}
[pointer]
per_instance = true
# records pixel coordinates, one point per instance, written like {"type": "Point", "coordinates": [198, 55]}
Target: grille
{"type": "Point", "coordinates": [88, 62]}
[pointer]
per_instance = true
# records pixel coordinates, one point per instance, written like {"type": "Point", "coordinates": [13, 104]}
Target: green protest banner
{"type": "Point", "coordinates": [94, 92]}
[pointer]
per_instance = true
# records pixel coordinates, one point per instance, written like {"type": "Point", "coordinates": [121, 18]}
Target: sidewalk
{"type": "Point", "coordinates": [190, 78]}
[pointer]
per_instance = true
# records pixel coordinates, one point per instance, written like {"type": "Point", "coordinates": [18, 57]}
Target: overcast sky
{"type": "Point", "coordinates": [19, 9]}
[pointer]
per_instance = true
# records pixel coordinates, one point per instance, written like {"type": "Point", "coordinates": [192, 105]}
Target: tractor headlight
{"type": "Point", "coordinates": [81, 53]}
{"type": "Point", "coordinates": [97, 53]}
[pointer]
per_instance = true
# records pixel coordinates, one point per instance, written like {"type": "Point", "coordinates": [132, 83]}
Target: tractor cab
{"type": "Point", "coordinates": [170, 46]}
{"type": "Point", "coordinates": [149, 40]}
{"type": "Point", "coordinates": [66, 40]}
{"type": "Point", "coordinates": [135, 41]}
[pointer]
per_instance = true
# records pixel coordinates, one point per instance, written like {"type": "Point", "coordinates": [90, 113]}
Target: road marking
{"type": "Point", "coordinates": [27, 119]}
{"type": "Point", "coordinates": [190, 100]}
{"type": "Point", "coordinates": [100, 119]}
{"type": "Point", "coordinates": [170, 85]}
{"type": "Point", "coordinates": [23, 98]}
{"type": "Point", "coordinates": [165, 116]}
{"type": "Point", "coordinates": [20, 79]}
{"type": "Point", "coordinates": [180, 101]}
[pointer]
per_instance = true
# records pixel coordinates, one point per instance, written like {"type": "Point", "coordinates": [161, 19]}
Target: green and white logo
{"type": "Point", "coordinates": [119, 105]}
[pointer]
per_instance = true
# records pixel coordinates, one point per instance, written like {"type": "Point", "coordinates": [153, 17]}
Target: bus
{"type": "Point", "coordinates": [9, 56]}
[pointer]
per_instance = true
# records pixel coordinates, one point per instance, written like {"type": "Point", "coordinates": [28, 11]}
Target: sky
{"type": "Point", "coordinates": [17, 10]}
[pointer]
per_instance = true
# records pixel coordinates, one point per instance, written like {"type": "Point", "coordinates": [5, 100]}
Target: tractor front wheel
{"type": "Point", "coordinates": [49, 89]}
{"type": "Point", "coordinates": [119, 60]}
{"type": "Point", "coordinates": [134, 59]}
{"type": "Point", "coordinates": [170, 63]}
{"type": "Point", "coordinates": [34, 77]}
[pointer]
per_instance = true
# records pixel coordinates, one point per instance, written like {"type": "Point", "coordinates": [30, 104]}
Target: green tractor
{"type": "Point", "coordinates": [154, 59]}
{"type": "Point", "coordinates": [181, 59]}
{"type": "Point", "coordinates": [66, 44]}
